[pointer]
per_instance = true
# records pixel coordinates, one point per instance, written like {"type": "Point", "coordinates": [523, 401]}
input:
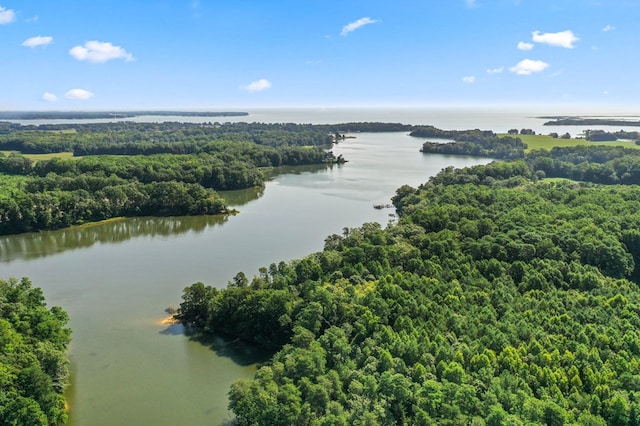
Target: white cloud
{"type": "Point", "coordinates": [98, 51]}
{"type": "Point", "coordinates": [38, 41]}
{"type": "Point", "coordinates": [561, 39]}
{"type": "Point", "coordinates": [78, 94]}
{"type": "Point", "coordinates": [49, 97]}
{"type": "Point", "coordinates": [608, 28]}
{"type": "Point", "coordinates": [528, 67]}
{"type": "Point", "coordinates": [471, 3]}
{"type": "Point", "coordinates": [470, 79]}
{"type": "Point", "coordinates": [357, 24]}
{"type": "Point", "coordinates": [258, 85]}
{"type": "Point", "coordinates": [7, 16]}
{"type": "Point", "coordinates": [497, 70]}
{"type": "Point", "coordinates": [525, 46]}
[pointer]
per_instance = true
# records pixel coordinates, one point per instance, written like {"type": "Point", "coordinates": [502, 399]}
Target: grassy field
{"type": "Point", "coordinates": [37, 157]}
{"type": "Point", "coordinates": [558, 180]}
{"type": "Point", "coordinates": [547, 142]}
{"type": "Point", "coordinates": [67, 131]}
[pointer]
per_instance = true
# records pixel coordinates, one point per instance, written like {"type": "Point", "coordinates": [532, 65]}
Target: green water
{"type": "Point", "coordinates": [116, 279]}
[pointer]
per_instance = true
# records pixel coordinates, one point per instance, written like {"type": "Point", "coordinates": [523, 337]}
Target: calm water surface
{"type": "Point", "coordinates": [116, 279]}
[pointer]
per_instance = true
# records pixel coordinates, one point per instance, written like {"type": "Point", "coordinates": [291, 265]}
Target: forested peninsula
{"type": "Point", "coordinates": [589, 121]}
{"type": "Point", "coordinates": [33, 366]}
{"type": "Point", "coordinates": [55, 176]}
{"type": "Point", "coordinates": [500, 296]}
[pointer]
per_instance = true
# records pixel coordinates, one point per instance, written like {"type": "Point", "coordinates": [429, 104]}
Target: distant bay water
{"type": "Point", "coordinates": [498, 119]}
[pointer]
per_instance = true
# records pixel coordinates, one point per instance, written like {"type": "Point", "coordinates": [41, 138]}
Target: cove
{"type": "Point", "coordinates": [115, 280]}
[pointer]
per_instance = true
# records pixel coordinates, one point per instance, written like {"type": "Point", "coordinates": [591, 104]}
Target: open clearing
{"type": "Point", "coordinates": [38, 157]}
{"type": "Point", "coordinates": [547, 142]}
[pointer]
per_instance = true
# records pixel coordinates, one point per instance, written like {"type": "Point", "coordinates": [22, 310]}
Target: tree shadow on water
{"type": "Point", "coordinates": [240, 351]}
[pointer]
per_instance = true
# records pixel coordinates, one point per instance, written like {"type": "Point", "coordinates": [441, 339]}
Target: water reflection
{"type": "Point", "coordinates": [241, 352]}
{"type": "Point", "coordinates": [43, 244]}
{"type": "Point", "coordinates": [46, 243]}
{"type": "Point", "coordinates": [296, 170]}
{"type": "Point", "coordinates": [240, 197]}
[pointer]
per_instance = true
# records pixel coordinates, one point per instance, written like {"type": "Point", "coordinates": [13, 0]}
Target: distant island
{"type": "Point", "coordinates": [588, 121]}
{"type": "Point", "coordinates": [79, 115]}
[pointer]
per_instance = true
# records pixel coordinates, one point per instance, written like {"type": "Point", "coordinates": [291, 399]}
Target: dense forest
{"type": "Point", "coordinates": [33, 365]}
{"type": "Point", "coordinates": [479, 145]}
{"type": "Point", "coordinates": [497, 298]}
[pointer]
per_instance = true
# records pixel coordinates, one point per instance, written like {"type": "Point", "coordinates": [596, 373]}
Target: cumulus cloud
{"type": "Point", "coordinates": [470, 79]}
{"type": "Point", "coordinates": [528, 67]}
{"type": "Point", "coordinates": [525, 46]}
{"type": "Point", "coordinates": [49, 97]}
{"type": "Point", "coordinates": [7, 16]}
{"type": "Point", "coordinates": [497, 70]}
{"type": "Point", "coordinates": [38, 41]}
{"type": "Point", "coordinates": [99, 51]}
{"type": "Point", "coordinates": [561, 39]}
{"type": "Point", "coordinates": [78, 94]}
{"type": "Point", "coordinates": [258, 85]}
{"type": "Point", "coordinates": [352, 26]}
{"type": "Point", "coordinates": [608, 28]}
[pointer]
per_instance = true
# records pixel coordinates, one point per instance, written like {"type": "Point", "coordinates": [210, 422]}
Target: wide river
{"type": "Point", "coordinates": [116, 279]}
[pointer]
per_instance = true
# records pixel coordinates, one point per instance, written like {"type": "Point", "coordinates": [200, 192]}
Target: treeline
{"type": "Point", "coordinates": [601, 135]}
{"type": "Point", "coordinates": [492, 146]}
{"type": "Point", "coordinates": [579, 121]}
{"type": "Point", "coordinates": [367, 126]}
{"type": "Point", "coordinates": [33, 366]}
{"type": "Point", "coordinates": [495, 299]}
{"type": "Point", "coordinates": [457, 135]}
{"type": "Point", "coordinates": [58, 202]}
{"type": "Point", "coordinates": [226, 165]}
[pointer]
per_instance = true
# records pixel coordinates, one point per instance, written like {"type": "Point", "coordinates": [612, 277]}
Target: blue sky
{"type": "Point", "coordinates": [170, 54]}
